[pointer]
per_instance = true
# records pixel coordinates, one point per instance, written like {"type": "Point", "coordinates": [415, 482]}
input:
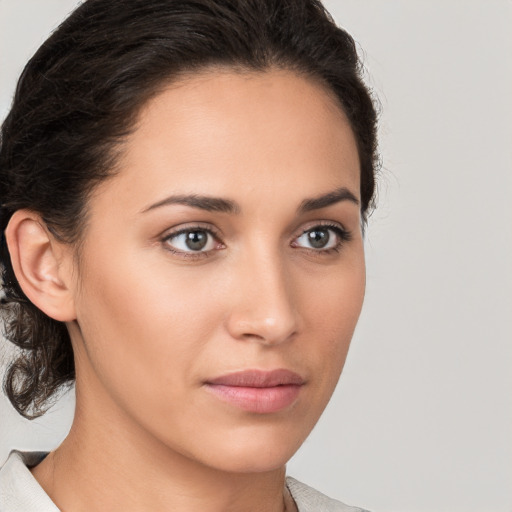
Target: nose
{"type": "Point", "coordinates": [263, 307]}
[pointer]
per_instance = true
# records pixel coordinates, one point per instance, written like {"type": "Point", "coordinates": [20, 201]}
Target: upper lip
{"type": "Point", "coordinates": [258, 378]}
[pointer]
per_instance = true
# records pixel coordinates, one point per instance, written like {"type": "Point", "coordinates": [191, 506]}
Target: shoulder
{"type": "Point", "coordinates": [311, 500]}
{"type": "Point", "coordinates": [19, 490]}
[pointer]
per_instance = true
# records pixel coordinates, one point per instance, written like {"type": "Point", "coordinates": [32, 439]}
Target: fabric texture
{"type": "Point", "coordinates": [20, 491]}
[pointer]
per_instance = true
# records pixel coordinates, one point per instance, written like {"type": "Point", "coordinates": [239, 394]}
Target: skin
{"type": "Point", "coordinates": [149, 326]}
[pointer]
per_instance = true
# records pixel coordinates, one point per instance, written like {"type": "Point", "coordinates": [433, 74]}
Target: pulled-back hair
{"type": "Point", "coordinates": [79, 96]}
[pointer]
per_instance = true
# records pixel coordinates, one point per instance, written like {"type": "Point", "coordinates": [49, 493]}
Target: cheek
{"type": "Point", "coordinates": [332, 314]}
{"type": "Point", "coordinates": [144, 330]}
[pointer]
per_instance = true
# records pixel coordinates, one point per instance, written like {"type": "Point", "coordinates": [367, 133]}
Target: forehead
{"type": "Point", "coordinates": [232, 132]}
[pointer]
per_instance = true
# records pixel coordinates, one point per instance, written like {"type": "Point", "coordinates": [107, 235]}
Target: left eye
{"type": "Point", "coordinates": [319, 238]}
{"type": "Point", "coordinates": [192, 240]}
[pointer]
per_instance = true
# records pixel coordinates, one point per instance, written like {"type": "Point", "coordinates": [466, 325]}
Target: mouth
{"type": "Point", "coordinates": [258, 391]}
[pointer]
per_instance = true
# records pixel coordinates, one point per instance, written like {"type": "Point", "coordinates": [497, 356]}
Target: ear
{"type": "Point", "coordinates": [43, 265]}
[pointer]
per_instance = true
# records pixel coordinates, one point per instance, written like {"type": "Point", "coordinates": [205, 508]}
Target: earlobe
{"type": "Point", "coordinates": [38, 262]}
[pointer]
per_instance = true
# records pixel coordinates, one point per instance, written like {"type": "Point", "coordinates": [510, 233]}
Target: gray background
{"type": "Point", "coordinates": [422, 418]}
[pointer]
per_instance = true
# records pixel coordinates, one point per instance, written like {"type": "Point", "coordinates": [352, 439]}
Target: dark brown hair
{"type": "Point", "coordinates": [80, 95]}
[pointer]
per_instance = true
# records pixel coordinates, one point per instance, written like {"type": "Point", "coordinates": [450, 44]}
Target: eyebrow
{"type": "Point", "coordinates": [208, 203]}
{"type": "Point", "coordinates": [340, 194]}
{"type": "Point", "coordinates": [218, 204]}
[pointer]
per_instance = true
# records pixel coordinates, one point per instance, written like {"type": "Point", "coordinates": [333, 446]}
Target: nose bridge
{"type": "Point", "coordinates": [264, 308]}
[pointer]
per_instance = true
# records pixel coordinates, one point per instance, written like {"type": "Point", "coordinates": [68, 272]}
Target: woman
{"type": "Point", "coordinates": [184, 187]}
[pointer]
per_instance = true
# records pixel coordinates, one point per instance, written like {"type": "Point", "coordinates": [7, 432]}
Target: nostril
{"type": "Point", "coordinates": [268, 331]}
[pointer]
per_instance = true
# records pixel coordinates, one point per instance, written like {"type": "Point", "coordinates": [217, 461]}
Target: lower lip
{"type": "Point", "coordinates": [258, 400]}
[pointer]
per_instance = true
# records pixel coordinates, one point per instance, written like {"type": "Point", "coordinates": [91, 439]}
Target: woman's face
{"type": "Point", "coordinates": [222, 271]}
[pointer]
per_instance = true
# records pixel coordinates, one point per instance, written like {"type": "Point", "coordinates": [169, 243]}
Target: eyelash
{"type": "Point", "coordinates": [342, 235]}
{"type": "Point", "coordinates": [191, 254]}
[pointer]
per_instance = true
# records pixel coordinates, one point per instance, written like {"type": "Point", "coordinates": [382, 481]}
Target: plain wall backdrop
{"type": "Point", "coordinates": [422, 418]}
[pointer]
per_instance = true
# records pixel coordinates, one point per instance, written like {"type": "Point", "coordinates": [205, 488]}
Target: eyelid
{"type": "Point", "coordinates": [322, 223]}
{"type": "Point", "coordinates": [193, 226]}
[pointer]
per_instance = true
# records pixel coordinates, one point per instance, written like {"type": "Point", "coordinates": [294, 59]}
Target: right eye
{"type": "Point", "coordinates": [191, 240]}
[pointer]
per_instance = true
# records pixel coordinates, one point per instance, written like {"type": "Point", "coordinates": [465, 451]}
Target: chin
{"type": "Point", "coordinates": [253, 451]}
{"type": "Point", "coordinates": [262, 460]}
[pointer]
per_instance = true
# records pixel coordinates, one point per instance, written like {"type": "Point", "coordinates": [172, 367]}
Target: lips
{"type": "Point", "coordinates": [257, 391]}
